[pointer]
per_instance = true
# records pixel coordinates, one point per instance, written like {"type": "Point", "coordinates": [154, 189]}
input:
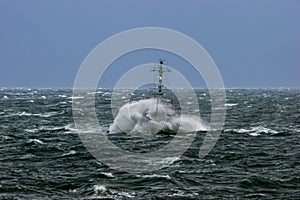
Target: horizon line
{"type": "Point", "coordinates": [1, 88]}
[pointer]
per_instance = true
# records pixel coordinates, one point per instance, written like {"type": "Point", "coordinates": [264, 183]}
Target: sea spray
{"type": "Point", "coordinates": [149, 116]}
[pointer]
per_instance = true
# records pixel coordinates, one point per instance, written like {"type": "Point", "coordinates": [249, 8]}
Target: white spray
{"type": "Point", "coordinates": [146, 117]}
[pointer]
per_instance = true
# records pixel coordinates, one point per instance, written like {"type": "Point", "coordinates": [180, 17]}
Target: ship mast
{"type": "Point", "coordinates": [160, 69]}
{"type": "Point", "coordinates": [160, 73]}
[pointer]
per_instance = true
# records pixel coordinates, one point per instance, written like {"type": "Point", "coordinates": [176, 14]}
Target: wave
{"type": "Point", "coordinates": [70, 153]}
{"type": "Point", "coordinates": [66, 129]}
{"type": "Point", "coordinates": [35, 141]}
{"type": "Point", "coordinates": [255, 131]}
{"type": "Point", "coordinates": [146, 117]}
{"type": "Point", "coordinates": [107, 174]}
{"type": "Point", "coordinates": [231, 104]}
{"type": "Point", "coordinates": [155, 176]}
{"type": "Point", "coordinates": [62, 96]}
{"type": "Point", "coordinates": [103, 192]}
{"type": "Point", "coordinates": [59, 103]}
{"type": "Point", "coordinates": [105, 94]}
{"type": "Point", "coordinates": [73, 97]}
{"type": "Point", "coordinates": [99, 189]}
{"type": "Point", "coordinates": [24, 113]}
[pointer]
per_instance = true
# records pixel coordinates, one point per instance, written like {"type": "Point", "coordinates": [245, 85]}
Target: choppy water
{"type": "Point", "coordinates": [257, 156]}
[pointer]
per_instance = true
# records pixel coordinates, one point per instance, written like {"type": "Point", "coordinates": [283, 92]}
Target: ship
{"type": "Point", "coordinates": [153, 115]}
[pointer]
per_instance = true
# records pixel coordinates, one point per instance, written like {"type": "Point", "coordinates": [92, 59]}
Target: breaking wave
{"type": "Point", "coordinates": [149, 117]}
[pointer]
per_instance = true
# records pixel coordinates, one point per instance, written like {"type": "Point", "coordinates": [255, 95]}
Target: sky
{"type": "Point", "coordinates": [255, 44]}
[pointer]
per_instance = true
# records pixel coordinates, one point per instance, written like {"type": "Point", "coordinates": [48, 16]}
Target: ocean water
{"type": "Point", "coordinates": [256, 157]}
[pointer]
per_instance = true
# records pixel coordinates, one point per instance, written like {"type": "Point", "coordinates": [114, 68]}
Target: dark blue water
{"type": "Point", "coordinates": [257, 155]}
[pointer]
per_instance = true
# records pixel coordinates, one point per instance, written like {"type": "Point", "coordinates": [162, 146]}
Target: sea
{"type": "Point", "coordinates": [257, 155]}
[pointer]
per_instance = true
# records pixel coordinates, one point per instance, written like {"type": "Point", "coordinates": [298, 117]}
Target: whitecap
{"type": "Point", "coordinates": [34, 130]}
{"type": "Point", "coordinates": [5, 97]}
{"type": "Point", "coordinates": [51, 128]}
{"type": "Point", "coordinates": [72, 152]}
{"type": "Point", "coordinates": [155, 176]}
{"type": "Point", "coordinates": [111, 193]}
{"type": "Point", "coordinates": [183, 194]}
{"type": "Point", "coordinates": [255, 131]}
{"type": "Point", "coordinates": [106, 94]}
{"type": "Point", "coordinates": [254, 134]}
{"type": "Point", "coordinates": [59, 103]}
{"type": "Point", "coordinates": [62, 95]}
{"type": "Point", "coordinates": [49, 114]}
{"type": "Point", "coordinates": [126, 194]}
{"type": "Point", "coordinates": [108, 174]}
{"type": "Point", "coordinates": [73, 97]}
{"type": "Point", "coordinates": [73, 191]}
{"type": "Point", "coordinates": [255, 195]}
{"type": "Point", "coordinates": [24, 113]}
{"type": "Point", "coordinates": [231, 104]}
{"type": "Point", "coordinates": [36, 141]}
{"type": "Point", "coordinates": [99, 189]}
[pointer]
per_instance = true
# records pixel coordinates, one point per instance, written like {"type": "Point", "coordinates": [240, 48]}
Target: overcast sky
{"type": "Point", "coordinates": [255, 44]}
